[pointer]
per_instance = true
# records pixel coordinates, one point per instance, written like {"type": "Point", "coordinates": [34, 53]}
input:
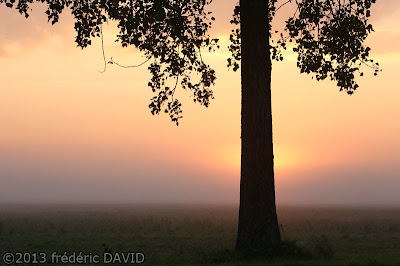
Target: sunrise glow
{"type": "Point", "coordinates": [66, 125]}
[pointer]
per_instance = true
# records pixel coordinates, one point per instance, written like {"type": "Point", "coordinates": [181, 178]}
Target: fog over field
{"type": "Point", "coordinates": [200, 234]}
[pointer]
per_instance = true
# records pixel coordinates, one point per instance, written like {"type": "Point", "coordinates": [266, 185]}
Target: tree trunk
{"type": "Point", "coordinates": [258, 230]}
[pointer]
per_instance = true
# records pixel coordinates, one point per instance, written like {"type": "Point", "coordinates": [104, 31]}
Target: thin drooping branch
{"type": "Point", "coordinates": [112, 61]}
{"type": "Point", "coordinates": [287, 2]}
{"type": "Point", "coordinates": [102, 48]}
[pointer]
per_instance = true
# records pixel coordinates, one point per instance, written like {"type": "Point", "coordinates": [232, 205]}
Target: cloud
{"type": "Point", "coordinates": [20, 35]}
{"type": "Point", "coordinates": [385, 10]}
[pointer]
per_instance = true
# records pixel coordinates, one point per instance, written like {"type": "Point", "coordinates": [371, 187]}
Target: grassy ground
{"type": "Point", "coordinates": [200, 234]}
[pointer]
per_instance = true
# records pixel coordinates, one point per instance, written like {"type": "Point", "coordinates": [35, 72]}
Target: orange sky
{"type": "Point", "coordinates": [72, 134]}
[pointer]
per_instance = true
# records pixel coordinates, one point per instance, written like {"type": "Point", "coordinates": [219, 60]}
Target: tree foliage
{"type": "Point", "coordinates": [170, 33]}
{"type": "Point", "coordinates": [328, 36]}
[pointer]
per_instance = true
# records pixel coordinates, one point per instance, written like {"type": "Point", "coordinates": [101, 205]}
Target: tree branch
{"type": "Point", "coordinates": [116, 63]}
{"type": "Point", "coordinates": [287, 2]}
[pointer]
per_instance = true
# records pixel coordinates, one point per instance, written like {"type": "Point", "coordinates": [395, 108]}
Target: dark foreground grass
{"type": "Point", "coordinates": [190, 235]}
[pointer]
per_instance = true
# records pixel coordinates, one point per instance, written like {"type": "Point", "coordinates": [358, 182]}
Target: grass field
{"type": "Point", "coordinates": [190, 235]}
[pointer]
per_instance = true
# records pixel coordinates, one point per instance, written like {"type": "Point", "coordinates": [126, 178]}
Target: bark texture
{"type": "Point", "coordinates": [258, 230]}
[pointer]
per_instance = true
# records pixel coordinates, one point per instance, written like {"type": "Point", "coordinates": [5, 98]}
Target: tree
{"type": "Point", "coordinates": [258, 228]}
{"type": "Point", "coordinates": [328, 36]}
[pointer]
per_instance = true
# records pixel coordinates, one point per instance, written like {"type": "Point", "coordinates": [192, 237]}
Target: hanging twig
{"type": "Point", "coordinates": [287, 2]}
{"type": "Point", "coordinates": [102, 48]}
{"type": "Point", "coordinates": [114, 62]}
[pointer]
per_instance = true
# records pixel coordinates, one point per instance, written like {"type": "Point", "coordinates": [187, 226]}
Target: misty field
{"type": "Point", "coordinates": [201, 234]}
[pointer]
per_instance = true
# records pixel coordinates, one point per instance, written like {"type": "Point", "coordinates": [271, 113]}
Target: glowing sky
{"type": "Point", "coordinates": [71, 134]}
